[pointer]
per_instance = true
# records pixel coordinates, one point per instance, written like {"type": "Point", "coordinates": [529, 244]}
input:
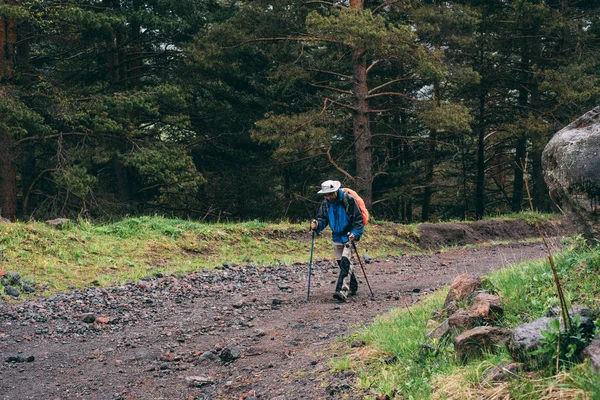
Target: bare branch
{"type": "Point", "coordinates": [330, 73]}
{"type": "Point", "coordinates": [340, 169]}
{"type": "Point", "coordinates": [389, 3]}
{"type": "Point", "coordinates": [489, 134]}
{"type": "Point", "coordinates": [332, 89]}
{"type": "Point", "coordinates": [291, 39]}
{"type": "Point", "coordinates": [329, 3]}
{"type": "Point", "coordinates": [31, 138]}
{"type": "Point", "coordinates": [387, 84]}
{"type": "Point", "coordinates": [374, 63]}
{"type": "Point", "coordinates": [382, 110]}
{"type": "Point", "coordinates": [392, 94]}
{"type": "Point", "coordinates": [378, 174]}
{"type": "Point", "coordinates": [26, 200]}
{"type": "Point", "coordinates": [342, 104]}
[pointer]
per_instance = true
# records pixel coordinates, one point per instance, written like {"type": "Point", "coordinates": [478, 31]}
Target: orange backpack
{"type": "Point", "coordinates": [359, 201]}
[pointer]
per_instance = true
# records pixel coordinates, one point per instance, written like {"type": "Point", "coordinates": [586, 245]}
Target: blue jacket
{"type": "Point", "coordinates": [341, 221]}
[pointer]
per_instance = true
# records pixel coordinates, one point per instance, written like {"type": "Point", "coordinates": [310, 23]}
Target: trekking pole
{"type": "Point", "coordinates": [363, 268]}
{"type": "Point", "coordinates": [310, 263]}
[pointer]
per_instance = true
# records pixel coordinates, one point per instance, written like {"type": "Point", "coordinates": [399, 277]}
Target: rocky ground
{"type": "Point", "coordinates": [244, 332]}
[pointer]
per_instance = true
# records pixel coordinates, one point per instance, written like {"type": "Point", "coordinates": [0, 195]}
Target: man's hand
{"type": "Point", "coordinates": [351, 237]}
{"type": "Point", "coordinates": [314, 224]}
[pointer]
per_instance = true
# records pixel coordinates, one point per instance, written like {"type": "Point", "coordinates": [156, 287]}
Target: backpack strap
{"type": "Point", "coordinates": [346, 202]}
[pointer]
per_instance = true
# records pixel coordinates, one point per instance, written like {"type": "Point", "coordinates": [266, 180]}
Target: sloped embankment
{"type": "Point", "coordinates": [434, 236]}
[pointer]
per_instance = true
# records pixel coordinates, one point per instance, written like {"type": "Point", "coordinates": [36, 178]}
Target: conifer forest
{"type": "Point", "coordinates": [225, 110]}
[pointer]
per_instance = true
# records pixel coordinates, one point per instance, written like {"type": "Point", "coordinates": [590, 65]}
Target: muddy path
{"type": "Point", "coordinates": [239, 333]}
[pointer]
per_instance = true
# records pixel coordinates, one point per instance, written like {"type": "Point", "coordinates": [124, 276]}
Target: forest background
{"type": "Point", "coordinates": [237, 110]}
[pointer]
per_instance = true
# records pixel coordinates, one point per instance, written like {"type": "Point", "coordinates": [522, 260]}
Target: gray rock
{"type": "Point", "coordinates": [28, 289]}
{"type": "Point", "coordinates": [230, 354]}
{"type": "Point", "coordinates": [88, 318]}
{"type": "Point", "coordinates": [473, 343]}
{"type": "Point", "coordinates": [439, 331]}
{"type": "Point", "coordinates": [571, 163]}
{"type": "Point", "coordinates": [11, 291]}
{"type": "Point", "coordinates": [207, 355]}
{"type": "Point", "coordinates": [58, 223]}
{"type": "Point", "coordinates": [592, 351]}
{"type": "Point", "coordinates": [503, 372]}
{"type": "Point", "coordinates": [581, 310]}
{"type": "Point", "coordinates": [13, 278]}
{"type": "Point", "coordinates": [199, 381]}
{"type": "Point", "coordinates": [525, 339]}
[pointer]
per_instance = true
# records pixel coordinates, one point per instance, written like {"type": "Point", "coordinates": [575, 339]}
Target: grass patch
{"type": "Point", "coordinates": [82, 254]}
{"type": "Point", "coordinates": [526, 216]}
{"type": "Point", "coordinates": [400, 361]}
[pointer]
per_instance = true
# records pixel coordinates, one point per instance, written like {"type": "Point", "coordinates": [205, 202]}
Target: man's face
{"type": "Point", "coordinates": [330, 196]}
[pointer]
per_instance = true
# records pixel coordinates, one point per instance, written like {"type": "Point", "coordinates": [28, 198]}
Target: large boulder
{"type": "Point", "coordinates": [571, 163]}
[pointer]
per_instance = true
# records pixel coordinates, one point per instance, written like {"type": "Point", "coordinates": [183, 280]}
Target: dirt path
{"type": "Point", "coordinates": [242, 333]}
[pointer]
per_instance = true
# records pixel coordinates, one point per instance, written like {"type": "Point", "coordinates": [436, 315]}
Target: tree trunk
{"type": "Point", "coordinates": [518, 187]}
{"type": "Point", "coordinates": [465, 180]}
{"type": "Point", "coordinates": [360, 121]}
{"type": "Point", "coordinates": [430, 166]}
{"type": "Point", "coordinates": [134, 65]}
{"type": "Point", "coordinates": [28, 177]}
{"type": "Point", "coordinates": [112, 61]}
{"type": "Point", "coordinates": [362, 129]}
{"type": "Point", "coordinates": [539, 191]}
{"type": "Point", "coordinates": [480, 180]}
{"type": "Point", "coordinates": [521, 145]}
{"type": "Point", "coordinates": [123, 186]}
{"type": "Point", "coordinates": [8, 40]}
{"type": "Point", "coordinates": [8, 169]}
{"type": "Point", "coordinates": [8, 177]}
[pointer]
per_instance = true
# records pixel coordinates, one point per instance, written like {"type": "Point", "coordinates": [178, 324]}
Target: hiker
{"type": "Point", "coordinates": [340, 211]}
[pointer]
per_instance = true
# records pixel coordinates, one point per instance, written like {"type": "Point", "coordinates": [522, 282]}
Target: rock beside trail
{"type": "Point", "coordinates": [593, 353]}
{"type": "Point", "coordinates": [58, 223]}
{"type": "Point", "coordinates": [473, 343]}
{"type": "Point", "coordinates": [571, 163]}
{"type": "Point", "coordinates": [526, 338]}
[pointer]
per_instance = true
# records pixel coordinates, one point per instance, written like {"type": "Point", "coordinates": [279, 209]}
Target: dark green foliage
{"type": "Point", "coordinates": [566, 345]}
{"type": "Point", "coordinates": [239, 110]}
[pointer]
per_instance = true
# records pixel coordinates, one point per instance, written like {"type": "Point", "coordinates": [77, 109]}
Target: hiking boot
{"type": "Point", "coordinates": [339, 296]}
{"type": "Point", "coordinates": [352, 293]}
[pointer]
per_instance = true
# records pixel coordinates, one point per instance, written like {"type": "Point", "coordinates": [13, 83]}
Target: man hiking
{"type": "Point", "coordinates": [340, 211]}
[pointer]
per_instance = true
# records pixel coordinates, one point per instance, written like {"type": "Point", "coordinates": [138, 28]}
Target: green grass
{"type": "Point", "coordinates": [81, 254]}
{"type": "Point", "coordinates": [523, 215]}
{"type": "Point", "coordinates": [422, 369]}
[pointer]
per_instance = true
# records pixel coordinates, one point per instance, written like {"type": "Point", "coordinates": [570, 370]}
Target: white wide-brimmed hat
{"type": "Point", "coordinates": [329, 186]}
